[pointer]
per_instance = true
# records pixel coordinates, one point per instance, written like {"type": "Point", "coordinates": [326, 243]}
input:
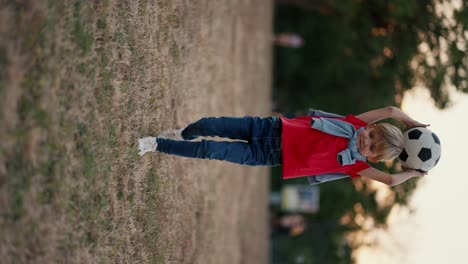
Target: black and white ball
{"type": "Point", "coordinates": [421, 149]}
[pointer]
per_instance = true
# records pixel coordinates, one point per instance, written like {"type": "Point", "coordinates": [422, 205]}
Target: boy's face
{"type": "Point", "coordinates": [366, 142]}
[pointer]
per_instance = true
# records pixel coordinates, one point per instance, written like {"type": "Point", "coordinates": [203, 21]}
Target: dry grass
{"type": "Point", "coordinates": [80, 82]}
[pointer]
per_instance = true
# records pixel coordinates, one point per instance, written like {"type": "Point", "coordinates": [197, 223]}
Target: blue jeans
{"type": "Point", "coordinates": [262, 136]}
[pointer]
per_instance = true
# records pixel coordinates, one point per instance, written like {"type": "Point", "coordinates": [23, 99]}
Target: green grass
{"type": "Point", "coordinates": [173, 19]}
{"type": "Point", "coordinates": [18, 184]}
{"type": "Point", "coordinates": [30, 114]}
{"type": "Point", "coordinates": [148, 218]}
{"type": "Point", "coordinates": [175, 53]}
{"type": "Point", "coordinates": [68, 159]}
{"type": "Point", "coordinates": [48, 165]}
{"type": "Point", "coordinates": [3, 65]}
{"type": "Point", "coordinates": [80, 33]}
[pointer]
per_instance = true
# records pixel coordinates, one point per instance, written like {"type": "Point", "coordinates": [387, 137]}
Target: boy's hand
{"type": "Point", "coordinates": [413, 123]}
{"type": "Point", "coordinates": [415, 173]}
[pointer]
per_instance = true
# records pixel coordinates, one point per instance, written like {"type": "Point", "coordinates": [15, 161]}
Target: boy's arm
{"type": "Point", "coordinates": [389, 112]}
{"type": "Point", "coordinates": [390, 179]}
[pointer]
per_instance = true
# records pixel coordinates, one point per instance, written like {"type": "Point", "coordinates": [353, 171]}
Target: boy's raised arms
{"type": "Point", "coordinates": [395, 113]}
{"type": "Point", "coordinates": [389, 112]}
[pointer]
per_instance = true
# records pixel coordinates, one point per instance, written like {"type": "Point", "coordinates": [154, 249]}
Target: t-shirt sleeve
{"type": "Point", "coordinates": [357, 167]}
{"type": "Point", "coordinates": [358, 123]}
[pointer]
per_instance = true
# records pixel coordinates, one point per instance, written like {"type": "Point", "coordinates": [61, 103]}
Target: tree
{"type": "Point", "coordinates": [321, 6]}
{"type": "Point", "coordinates": [402, 43]}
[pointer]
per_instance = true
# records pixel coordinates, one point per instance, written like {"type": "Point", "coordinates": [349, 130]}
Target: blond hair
{"type": "Point", "coordinates": [391, 143]}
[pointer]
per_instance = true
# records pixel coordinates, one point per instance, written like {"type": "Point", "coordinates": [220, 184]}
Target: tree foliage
{"type": "Point", "coordinates": [370, 52]}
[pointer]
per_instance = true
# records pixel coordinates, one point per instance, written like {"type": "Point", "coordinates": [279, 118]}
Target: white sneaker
{"type": "Point", "coordinates": [172, 134]}
{"type": "Point", "coordinates": [146, 144]}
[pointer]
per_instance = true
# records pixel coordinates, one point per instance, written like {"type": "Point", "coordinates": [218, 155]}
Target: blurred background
{"type": "Point", "coordinates": [353, 56]}
{"type": "Point", "coordinates": [80, 81]}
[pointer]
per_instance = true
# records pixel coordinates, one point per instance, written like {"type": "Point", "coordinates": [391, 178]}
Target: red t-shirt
{"type": "Point", "coordinates": [307, 151]}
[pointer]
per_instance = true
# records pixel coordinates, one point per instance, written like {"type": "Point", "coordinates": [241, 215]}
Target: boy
{"type": "Point", "coordinates": [319, 145]}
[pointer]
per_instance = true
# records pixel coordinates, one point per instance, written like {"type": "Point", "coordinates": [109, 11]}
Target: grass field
{"type": "Point", "coordinates": [80, 81]}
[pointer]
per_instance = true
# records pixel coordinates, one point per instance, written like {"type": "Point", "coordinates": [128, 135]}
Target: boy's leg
{"type": "Point", "coordinates": [236, 152]}
{"type": "Point", "coordinates": [228, 127]}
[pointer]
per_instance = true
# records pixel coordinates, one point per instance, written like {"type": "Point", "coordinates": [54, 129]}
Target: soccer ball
{"type": "Point", "coordinates": [421, 149]}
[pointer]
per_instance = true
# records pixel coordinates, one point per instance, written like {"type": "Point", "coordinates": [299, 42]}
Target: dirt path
{"type": "Point", "coordinates": [217, 212]}
{"type": "Point", "coordinates": [81, 83]}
